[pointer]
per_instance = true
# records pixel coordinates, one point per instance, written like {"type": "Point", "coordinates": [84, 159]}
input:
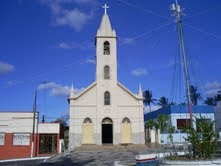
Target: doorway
{"type": "Point", "coordinates": [107, 131]}
{"type": "Point", "coordinates": [47, 143]}
{"type": "Point", "coordinates": [87, 132]}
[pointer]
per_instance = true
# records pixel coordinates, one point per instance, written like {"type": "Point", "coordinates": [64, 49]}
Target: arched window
{"type": "Point", "coordinates": [106, 72]}
{"type": "Point", "coordinates": [87, 120]}
{"type": "Point", "coordinates": [106, 48]}
{"type": "Point", "coordinates": [107, 98]}
{"type": "Point", "coordinates": [107, 121]}
{"type": "Point", "coordinates": [125, 120]}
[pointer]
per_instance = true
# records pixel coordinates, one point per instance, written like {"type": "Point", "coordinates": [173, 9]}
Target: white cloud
{"type": "Point", "coordinates": [64, 15]}
{"type": "Point", "coordinates": [58, 90]}
{"type": "Point", "coordinates": [72, 45]}
{"type": "Point", "coordinates": [6, 67]}
{"type": "Point", "coordinates": [212, 88]}
{"type": "Point", "coordinates": [64, 46]}
{"type": "Point", "coordinates": [14, 82]}
{"type": "Point", "coordinates": [139, 72]}
{"type": "Point", "coordinates": [73, 18]}
{"type": "Point", "coordinates": [90, 61]}
{"type": "Point", "coordinates": [85, 1]}
{"type": "Point", "coordinates": [127, 40]}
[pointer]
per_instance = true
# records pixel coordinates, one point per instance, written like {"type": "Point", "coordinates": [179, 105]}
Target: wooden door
{"type": "Point", "coordinates": [88, 133]}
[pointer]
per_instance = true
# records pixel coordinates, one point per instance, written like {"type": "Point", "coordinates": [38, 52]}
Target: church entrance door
{"type": "Point", "coordinates": [107, 131]}
{"type": "Point", "coordinates": [126, 131]}
{"type": "Point", "coordinates": [87, 132]}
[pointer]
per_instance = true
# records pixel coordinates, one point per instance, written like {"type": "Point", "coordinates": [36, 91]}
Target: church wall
{"type": "Point", "coordinates": [86, 99]}
{"type": "Point", "coordinates": [109, 60]}
{"type": "Point", "coordinates": [123, 103]}
{"type": "Point", "coordinates": [125, 99]}
{"type": "Point", "coordinates": [134, 114]}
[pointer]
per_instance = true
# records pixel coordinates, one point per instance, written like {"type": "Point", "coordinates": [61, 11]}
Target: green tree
{"type": "Point", "coordinates": [163, 101]}
{"type": "Point", "coordinates": [194, 95]}
{"type": "Point", "coordinates": [162, 121]}
{"type": "Point", "coordinates": [210, 101]}
{"type": "Point", "coordinates": [150, 123]}
{"type": "Point", "coordinates": [148, 98]}
{"type": "Point", "coordinates": [204, 140]}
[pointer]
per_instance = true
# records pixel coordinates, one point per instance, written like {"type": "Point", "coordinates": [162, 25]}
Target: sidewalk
{"type": "Point", "coordinates": [23, 161]}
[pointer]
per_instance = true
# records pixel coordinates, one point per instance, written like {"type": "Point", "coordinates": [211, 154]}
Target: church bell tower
{"type": "Point", "coordinates": [106, 51]}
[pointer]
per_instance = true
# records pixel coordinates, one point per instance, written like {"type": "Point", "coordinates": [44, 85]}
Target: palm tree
{"type": "Point", "coordinates": [218, 96]}
{"type": "Point", "coordinates": [163, 101]}
{"type": "Point", "coordinates": [163, 122]}
{"type": "Point", "coordinates": [147, 98]}
{"type": "Point", "coordinates": [210, 101]}
{"type": "Point", "coordinates": [194, 95]}
{"type": "Point", "coordinates": [172, 103]}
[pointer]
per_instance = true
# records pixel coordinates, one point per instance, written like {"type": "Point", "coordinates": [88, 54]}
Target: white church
{"type": "Point", "coordinates": [106, 112]}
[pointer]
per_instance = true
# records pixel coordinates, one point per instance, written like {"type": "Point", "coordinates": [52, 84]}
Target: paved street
{"type": "Point", "coordinates": [23, 163]}
{"type": "Point", "coordinates": [99, 155]}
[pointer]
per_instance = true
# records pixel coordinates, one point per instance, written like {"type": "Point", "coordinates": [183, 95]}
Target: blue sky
{"type": "Point", "coordinates": [53, 40]}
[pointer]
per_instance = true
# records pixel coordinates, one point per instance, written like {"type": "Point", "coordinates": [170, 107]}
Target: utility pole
{"type": "Point", "coordinates": [34, 119]}
{"type": "Point", "coordinates": [33, 131]}
{"type": "Point", "coordinates": [175, 8]}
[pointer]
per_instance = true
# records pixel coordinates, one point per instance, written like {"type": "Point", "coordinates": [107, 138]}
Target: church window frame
{"type": "Point", "coordinates": [87, 120]}
{"type": "Point", "coordinates": [107, 98]}
{"type": "Point", "coordinates": [126, 120]}
{"type": "Point", "coordinates": [106, 72]}
{"type": "Point", "coordinates": [107, 120]}
{"type": "Point", "coordinates": [106, 48]}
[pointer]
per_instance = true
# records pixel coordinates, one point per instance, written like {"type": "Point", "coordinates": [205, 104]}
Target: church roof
{"type": "Point", "coordinates": [84, 91]}
{"type": "Point", "coordinates": [129, 92]}
{"type": "Point", "coordinates": [105, 28]}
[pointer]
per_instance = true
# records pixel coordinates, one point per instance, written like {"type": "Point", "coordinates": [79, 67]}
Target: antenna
{"type": "Point", "coordinates": [177, 11]}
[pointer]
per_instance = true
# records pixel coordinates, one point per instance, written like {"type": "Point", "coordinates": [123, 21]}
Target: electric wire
{"type": "Point", "coordinates": [147, 33]}
{"type": "Point", "coordinates": [202, 31]}
{"type": "Point", "coordinates": [145, 10]}
{"type": "Point", "coordinates": [202, 12]}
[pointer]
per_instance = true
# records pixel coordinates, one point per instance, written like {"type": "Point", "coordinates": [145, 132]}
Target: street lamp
{"type": "Point", "coordinates": [34, 117]}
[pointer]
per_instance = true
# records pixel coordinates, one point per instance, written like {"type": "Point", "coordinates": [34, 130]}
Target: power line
{"type": "Point", "coordinates": [202, 12]}
{"type": "Point", "coordinates": [146, 33]}
{"type": "Point", "coordinates": [202, 31]}
{"type": "Point", "coordinates": [145, 10]}
{"type": "Point", "coordinates": [63, 68]}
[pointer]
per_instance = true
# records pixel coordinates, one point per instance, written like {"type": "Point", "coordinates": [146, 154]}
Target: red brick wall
{"type": "Point", "coordinates": [8, 151]}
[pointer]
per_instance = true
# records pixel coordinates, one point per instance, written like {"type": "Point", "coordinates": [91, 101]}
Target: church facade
{"type": "Point", "coordinates": [106, 112]}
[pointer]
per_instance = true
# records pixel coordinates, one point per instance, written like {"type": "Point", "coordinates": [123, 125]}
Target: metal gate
{"type": "Point", "coordinates": [47, 143]}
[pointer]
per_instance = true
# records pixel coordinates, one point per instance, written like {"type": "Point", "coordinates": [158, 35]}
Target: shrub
{"type": "Point", "coordinates": [204, 139]}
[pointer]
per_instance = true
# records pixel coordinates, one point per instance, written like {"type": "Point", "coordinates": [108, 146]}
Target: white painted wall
{"type": "Point", "coordinates": [90, 104]}
{"type": "Point", "coordinates": [175, 116]}
{"type": "Point", "coordinates": [177, 138]}
{"type": "Point", "coordinates": [12, 122]}
{"type": "Point", "coordinates": [49, 128]}
{"type": "Point", "coordinates": [22, 122]}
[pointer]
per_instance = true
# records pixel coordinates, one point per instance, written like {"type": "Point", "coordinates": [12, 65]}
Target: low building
{"type": "Point", "coordinates": [179, 117]}
{"type": "Point", "coordinates": [218, 118]}
{"type": "Point", "coordinates": [16, 133]}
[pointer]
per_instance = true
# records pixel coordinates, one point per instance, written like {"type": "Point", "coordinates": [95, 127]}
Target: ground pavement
{"type": "Point", "coordinates": [100, 155]}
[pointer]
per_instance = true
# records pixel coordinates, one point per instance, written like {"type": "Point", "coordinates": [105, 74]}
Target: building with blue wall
{"type": "Point", "coordinates": [179, 117]}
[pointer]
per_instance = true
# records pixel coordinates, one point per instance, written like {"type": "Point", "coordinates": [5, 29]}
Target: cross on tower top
{"type": "Point", "coordinates": [105, 8]}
